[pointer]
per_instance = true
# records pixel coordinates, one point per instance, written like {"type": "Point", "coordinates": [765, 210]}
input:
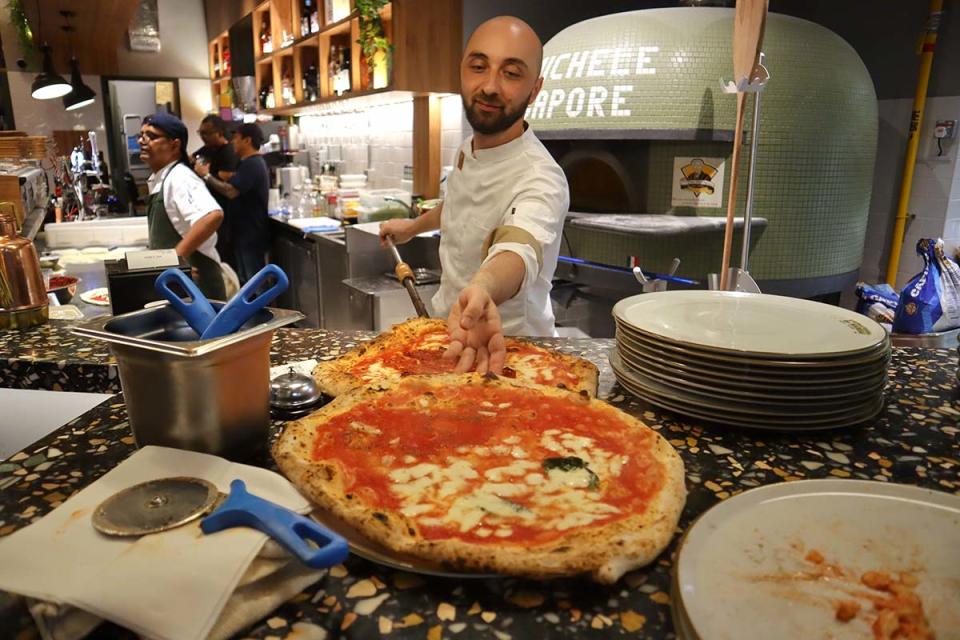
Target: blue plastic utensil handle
{"type": "Point", "coordinates": [198, 313]}
{"type": "Point", "coordinates": [290, 529]}
{"type": "Point", "coordinates": [246, 303]}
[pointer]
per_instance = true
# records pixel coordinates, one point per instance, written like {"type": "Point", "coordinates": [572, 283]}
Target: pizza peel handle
{"type": "Point", "coordinates": [292, 530]}
{"type": "Point", "coordinates": [247, 302]}
{"type": "Point", "coordinates": [198, 313]}
{"type": "Point", "coordinates": [405, 275]}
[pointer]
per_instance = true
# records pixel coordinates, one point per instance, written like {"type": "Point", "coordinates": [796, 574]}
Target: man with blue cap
{"type": "Point", "coordinates": [181, 213]}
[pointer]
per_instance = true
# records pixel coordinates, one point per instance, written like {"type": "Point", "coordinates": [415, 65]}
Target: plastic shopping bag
{"type": "Point", "coordinates": [877, 301]}
{"type": "Point", "coordinates": [930, 303]}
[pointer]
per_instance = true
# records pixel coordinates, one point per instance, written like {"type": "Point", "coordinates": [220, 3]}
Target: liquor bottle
{"type": "Point", "coordinates": [314, 16]}
{"type": "Point", "coordinates": [226, 61]}
{"type": "Point", "coordinates": [271, 101]}
{"type": "Point", "coordinates": [263, 97]}
{"type": "Point", "coordinates": [286, 89]}
{"type": "Point", "coordinates": [333, 66]}
{"type": "Point", "coordinates": [266, 42]}
{"type": "Point", "coordinates": [304, 18]}
{"type": "Point", "coordinates": [311, 83]}
{"type": "Point", "coordinates": [345, 68]}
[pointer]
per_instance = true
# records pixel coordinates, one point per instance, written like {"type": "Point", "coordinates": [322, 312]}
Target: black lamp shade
{"type": "Point", "coordinates": [82, 95]}
{"type": "Point", "coordinates": [49, 84]}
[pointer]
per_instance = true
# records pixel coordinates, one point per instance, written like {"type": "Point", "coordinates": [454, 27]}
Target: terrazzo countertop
{"type": "Point", "coordinates": [914, 441]}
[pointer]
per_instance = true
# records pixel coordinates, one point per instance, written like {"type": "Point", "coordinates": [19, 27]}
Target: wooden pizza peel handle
{"type": "Point", "coordinates": [405, 275]}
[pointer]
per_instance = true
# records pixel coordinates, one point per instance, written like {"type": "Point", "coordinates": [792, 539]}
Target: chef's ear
{"type": "Point", "coordinates": [536, 90]}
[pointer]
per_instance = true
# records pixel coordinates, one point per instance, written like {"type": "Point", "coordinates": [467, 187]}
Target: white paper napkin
{"type": "Point", "coordinates": [171, 585]}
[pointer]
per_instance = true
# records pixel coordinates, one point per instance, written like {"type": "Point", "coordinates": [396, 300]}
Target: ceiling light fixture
{"type": "Point", "coordinates": [48, 84]}
{"type": "Point", "coordinates": [81, 95]}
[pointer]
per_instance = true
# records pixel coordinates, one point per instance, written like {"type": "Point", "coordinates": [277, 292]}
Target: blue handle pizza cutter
{"type": "Point", "coordinates": [166, 503]}
{"type": "Point", "coordinates": [247, 302]}
{"type": "Point", "coordinates": [197, 310]}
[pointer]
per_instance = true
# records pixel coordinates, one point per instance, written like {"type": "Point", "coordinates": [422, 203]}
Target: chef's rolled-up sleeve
{"type": "Point", "coordinates": [533, 221]}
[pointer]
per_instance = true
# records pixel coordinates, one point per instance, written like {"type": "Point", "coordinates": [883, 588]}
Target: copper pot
{"type": "Point", "coordinates": [23, 297]}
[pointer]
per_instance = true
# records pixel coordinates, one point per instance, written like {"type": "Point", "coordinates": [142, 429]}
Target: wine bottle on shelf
{"type": "Point", "coordinates": [304, 18]}
{"type": "Point", "coordinates": [226, 62]}
{"type": "Point", "coordinates": [266, 42]}
{"type": "Point", "coordinates": [345, 68]}
{"type": "Point", "coordinates": [286, 89]}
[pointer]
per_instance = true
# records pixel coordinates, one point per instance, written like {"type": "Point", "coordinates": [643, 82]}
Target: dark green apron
{"type": "Point", "coordinates": [163, 235]}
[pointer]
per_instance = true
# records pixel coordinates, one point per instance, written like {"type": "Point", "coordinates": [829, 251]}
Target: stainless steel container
{"type": "Point", "coordinates": [211, 396]}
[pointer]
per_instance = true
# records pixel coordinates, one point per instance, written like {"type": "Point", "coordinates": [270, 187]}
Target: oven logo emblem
{"type": "Point", "coordinates": [698, 177]}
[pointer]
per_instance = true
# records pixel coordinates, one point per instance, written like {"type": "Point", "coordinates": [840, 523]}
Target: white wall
{"type": "Point", "coordinates": [183, 44]}
{"type": "Point", "coordinates": [195, 103]}
{"type": "Point", "coordinates": [935, 194]}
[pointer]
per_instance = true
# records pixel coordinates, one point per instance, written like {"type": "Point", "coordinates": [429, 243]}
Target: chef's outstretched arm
{"type": "Point", "coordinates": [476, 333]}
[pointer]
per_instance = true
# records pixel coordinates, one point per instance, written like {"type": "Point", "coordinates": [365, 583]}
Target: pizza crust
{"type": "Point", "coordinates": [605, 551]}
{"type": "Point", "coordinates": [335, 377]}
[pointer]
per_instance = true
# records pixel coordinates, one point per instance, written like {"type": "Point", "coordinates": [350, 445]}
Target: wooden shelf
{"type": "Point", "coordinates": [419, 65]}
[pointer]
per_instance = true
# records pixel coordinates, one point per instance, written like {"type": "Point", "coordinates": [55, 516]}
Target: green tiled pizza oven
{"type": "Point", "coordinates": [650, 79]}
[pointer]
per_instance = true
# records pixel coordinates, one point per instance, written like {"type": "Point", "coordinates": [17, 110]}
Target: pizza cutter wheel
{"type": "Point", "coordinates": [166, 503]}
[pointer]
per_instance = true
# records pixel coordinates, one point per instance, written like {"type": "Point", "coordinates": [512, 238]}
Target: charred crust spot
{"type": "Point", "coordinates": [410, 531]}
{"type": "Point", "coordinates": [584, 394]}
{"type": "Point", "coordinates": [489, 375]}
{"type": "Point", "coordinates": [561, 550]}
{"type": "Point", "coordinates": [382, 517]}
{"type": "Point", "coordinates": [561, 385]}
{"type": "Point", "coordinates": [328, 471]}
{"type": "Point", "coordinates": [349, 496]}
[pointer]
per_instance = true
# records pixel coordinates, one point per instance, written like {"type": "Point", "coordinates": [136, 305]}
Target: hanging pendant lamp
{"type": "Point", "coordinates": [81, 95]}
{"type": "Point", "coordinates": [49, 84]}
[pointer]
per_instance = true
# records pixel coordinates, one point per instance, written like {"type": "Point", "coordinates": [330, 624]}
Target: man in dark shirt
{"type": "Point", "coordinates": [247, 190]}
{"type": "Point", "coordinates": [218, 154]}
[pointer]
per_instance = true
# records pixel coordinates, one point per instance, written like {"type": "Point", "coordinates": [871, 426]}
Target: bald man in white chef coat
{"type": "Point", "coordinates": [506, 200]}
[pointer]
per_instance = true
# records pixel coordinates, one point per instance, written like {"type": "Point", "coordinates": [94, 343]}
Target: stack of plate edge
{"type": "Point", "coordinates": [758, 391]}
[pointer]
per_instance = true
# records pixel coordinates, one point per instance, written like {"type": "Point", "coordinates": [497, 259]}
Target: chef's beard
{"type": "Point", "coordinates": [497, 121]}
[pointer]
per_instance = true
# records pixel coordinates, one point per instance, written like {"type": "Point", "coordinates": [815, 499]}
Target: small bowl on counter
{"type": "Point", "coordinates": [49, 261]}
{"type": "Point", "coordinates": [63, 287]}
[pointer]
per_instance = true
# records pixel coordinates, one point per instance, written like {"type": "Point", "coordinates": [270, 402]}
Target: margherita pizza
{"type": "Point", "coordinates": [485, 474]}
{"type": "Point", "coordinates": [416, 347]}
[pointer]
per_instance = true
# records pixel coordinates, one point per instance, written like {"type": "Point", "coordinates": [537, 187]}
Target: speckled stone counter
{"type": "Point", "coordinates": [916, 440]}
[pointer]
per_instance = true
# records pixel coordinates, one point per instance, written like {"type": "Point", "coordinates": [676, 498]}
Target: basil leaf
{"type": "Point", "coordinates": [572, 463]}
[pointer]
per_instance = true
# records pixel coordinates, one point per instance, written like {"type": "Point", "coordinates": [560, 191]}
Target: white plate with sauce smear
{"type": "Point", "coordinates": [742, 571]}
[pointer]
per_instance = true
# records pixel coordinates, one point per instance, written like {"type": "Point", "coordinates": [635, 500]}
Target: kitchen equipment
{"type": "Point", "coordinates": [748, 23]}
{"type": "Point", "coordinates": [23, 296]}
{"type": "Point", "coordinates": [288, 179]}
{"type": "Point", "coordinates": [405, 276]}
{"type": "Point", "coordinates": [63, 288]}
{"type": "Point", "coordinates": [49, 261]}
{"type": "Point", "coordinates": [181, 391]}
{"type": "Point", "coordinates": [131, 289]}
{"type": "Point", "coordinates": [743, 569]}
{"type": "Point", "coordinates": [248, 301]}
{"type": "Point", "coordinates": [198, 312]}
{"type": "Point", "coordinates": [421, 274]}
{"type": "Point", "coordinates": [294, 394]}
{"type": "Point", "coordinates": [166, 503]}
{"type": "Point", "coordinates": [26, 187]}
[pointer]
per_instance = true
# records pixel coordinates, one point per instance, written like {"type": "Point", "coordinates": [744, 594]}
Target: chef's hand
{"type": "Point", "coordinates": [476, 334]}
{"type": "Point", "coordinates": [202, 169]}
{"type": "Point", "coordinates": [401, 230]}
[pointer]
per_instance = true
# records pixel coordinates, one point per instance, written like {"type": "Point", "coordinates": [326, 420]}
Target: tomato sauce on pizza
{"type": "Point", "coordinates": [491, 465]}
{"type": "Point", "coordinates": [424, 355]}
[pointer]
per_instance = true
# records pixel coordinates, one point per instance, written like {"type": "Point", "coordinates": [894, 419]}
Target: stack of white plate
{"type": "Point", "coordinates": [751, 360]}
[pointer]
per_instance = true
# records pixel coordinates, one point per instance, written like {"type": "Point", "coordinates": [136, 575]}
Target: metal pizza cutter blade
{"type": "Point", "coordinates": [166, 503]}
{"type": "Point", "coordinates": [155, 506]}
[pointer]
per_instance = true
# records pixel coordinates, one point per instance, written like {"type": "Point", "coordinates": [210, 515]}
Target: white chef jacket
{"type": "Point", "coordinates": [516, 195]}
{"type": "Point", "coordinates": [186, 199]}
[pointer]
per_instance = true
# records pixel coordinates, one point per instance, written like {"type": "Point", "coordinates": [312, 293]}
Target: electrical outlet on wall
{"type": "Point", "coordinates": [944, 132]}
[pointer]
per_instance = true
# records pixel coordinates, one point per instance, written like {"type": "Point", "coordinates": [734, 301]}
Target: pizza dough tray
{"type": "Point", "coordinates": [373, 551]}
{"type": "Point", "coordinates": [643, 224]}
